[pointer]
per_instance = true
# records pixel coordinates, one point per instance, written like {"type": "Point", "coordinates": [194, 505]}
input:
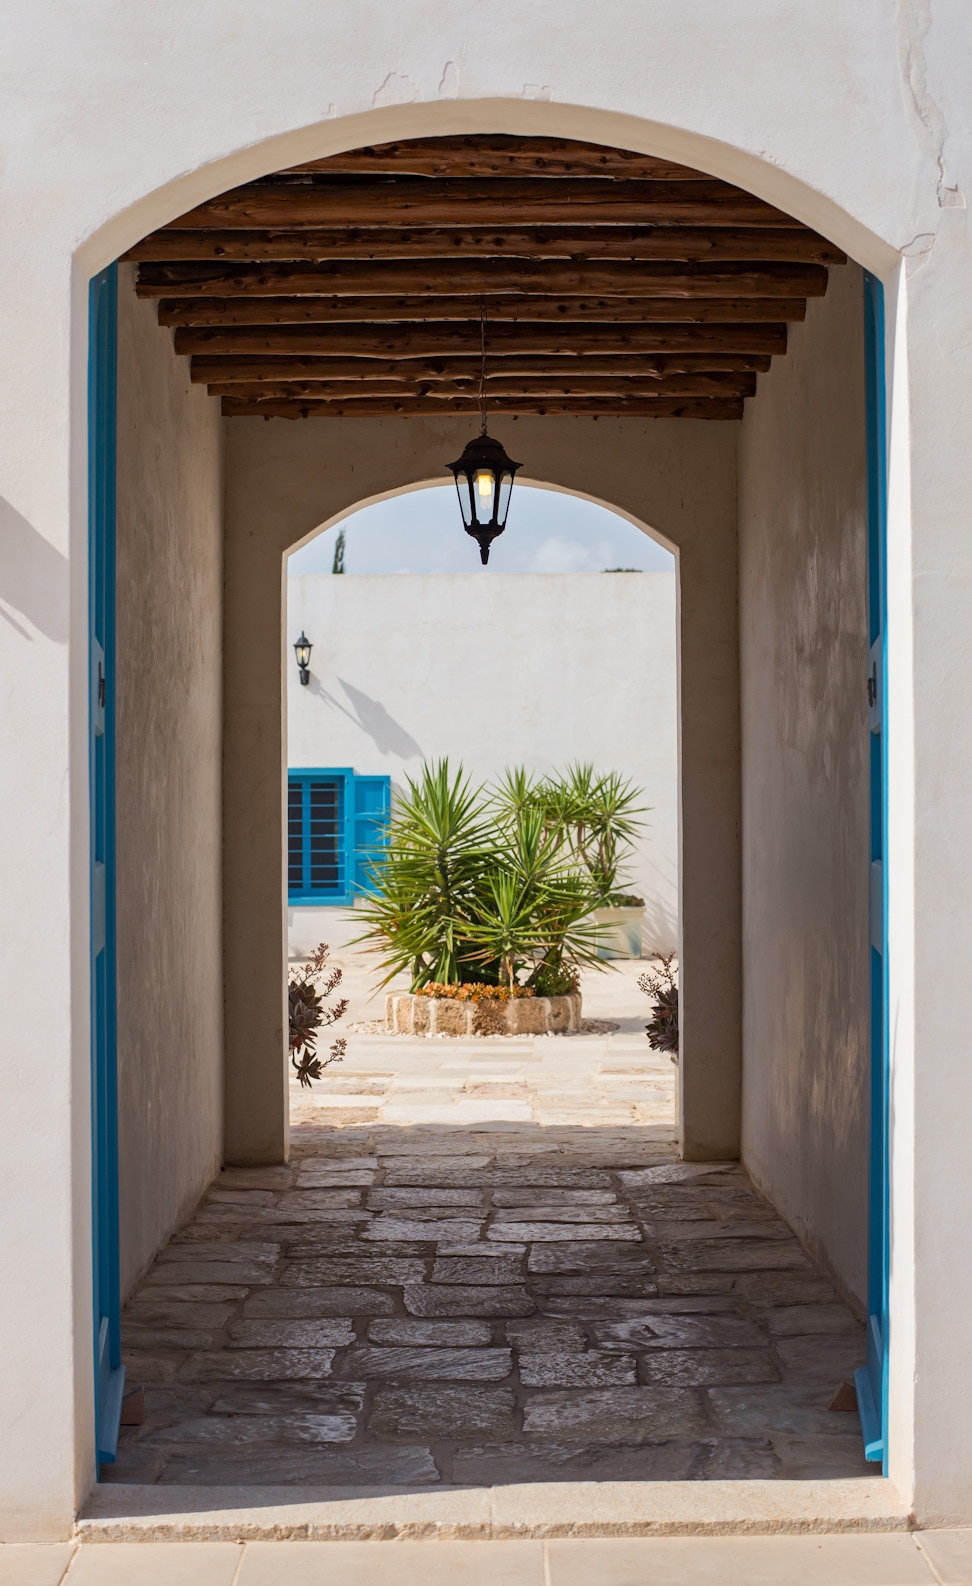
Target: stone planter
{"type": "Point", "coordinates": [619, 932]}
{"type": "Point", "coordinates": [409, 1015]}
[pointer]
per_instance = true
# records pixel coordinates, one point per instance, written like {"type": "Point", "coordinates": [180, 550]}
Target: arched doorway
{"type": "Point", "coordinates": [646, 454]}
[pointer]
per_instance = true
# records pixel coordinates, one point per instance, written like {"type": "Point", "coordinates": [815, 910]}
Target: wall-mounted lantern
{"type": "Point", "coordinates": [302, 650]}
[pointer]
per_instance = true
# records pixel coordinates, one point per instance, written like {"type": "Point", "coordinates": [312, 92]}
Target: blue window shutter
{"type": "Point", "coordinates": [317, 820]}
{"type": "Point", "coordinates": [371, 809]}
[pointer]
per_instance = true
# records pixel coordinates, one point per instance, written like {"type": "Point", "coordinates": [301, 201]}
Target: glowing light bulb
{"type": "Point", "coordinates": [485, 483]}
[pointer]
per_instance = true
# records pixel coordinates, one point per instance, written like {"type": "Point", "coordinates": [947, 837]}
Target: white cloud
{"type": "Point", "coordinates": [557, 555]}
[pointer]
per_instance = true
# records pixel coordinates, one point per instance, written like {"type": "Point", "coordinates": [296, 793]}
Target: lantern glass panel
{"type": "Point", "coordinates": [464, 490]}
{"type": "Point", "coordinates": [506, 485]}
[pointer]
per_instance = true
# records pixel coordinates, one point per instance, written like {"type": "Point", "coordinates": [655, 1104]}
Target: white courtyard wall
{"type": "Point", "coordinates": [803, 664]}
{"type": "Point", "coordinates": [853, 115]}
{"type": "Point", "coordinates": [533, 669]}
{"type": "Point", "coordinates": [169, 709]}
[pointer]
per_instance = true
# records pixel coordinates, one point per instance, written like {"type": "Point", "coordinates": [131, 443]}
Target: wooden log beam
{"type": "Point", "coordinates": [689, 408]}
{"type": "Point", "coordinates": [753, 244]}
{"type": "Point", "coordinates": [409, 201]}
{"type": "Point", "coordinates": [486, 154]}
{"type": "Point", "coordinates": [572, 386]}
{"type": "Point", "coordinates": [538, 310]}
{"type": "Point", "coordinates": [462, 340]}
{"type": "Point", "coordinates": [447, 277]}
{"type": "Point", "coordinates": [229, 369]}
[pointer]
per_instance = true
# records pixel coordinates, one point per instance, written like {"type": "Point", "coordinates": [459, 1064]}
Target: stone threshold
{"type": "Point", "coordinates": [119, 1513]}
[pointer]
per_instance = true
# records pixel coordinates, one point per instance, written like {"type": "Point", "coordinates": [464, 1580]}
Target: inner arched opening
{"type": "Point", "coordinates": [563, 656]}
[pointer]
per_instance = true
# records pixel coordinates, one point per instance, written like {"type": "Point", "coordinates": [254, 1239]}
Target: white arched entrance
{"type": "Point", "coordinates": [220, 130]}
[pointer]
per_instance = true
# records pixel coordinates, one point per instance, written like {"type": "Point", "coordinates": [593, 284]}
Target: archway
{"type": "Point", "coordinates": [808, 109]}
{"type": "Point", "coordinates": [282, 482]}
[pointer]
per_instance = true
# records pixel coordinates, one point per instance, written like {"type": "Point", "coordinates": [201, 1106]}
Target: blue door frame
{"type": "Point", "coordinates": [871, 1380]}
{"type": "Point", "coordinates": [108, 1369]}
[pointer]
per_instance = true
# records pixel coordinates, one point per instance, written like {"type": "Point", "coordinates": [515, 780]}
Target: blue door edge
{"type": "Point", "coordinates": [109, 1373]}
{"type": "Point", "coordinates": [871, 1380]}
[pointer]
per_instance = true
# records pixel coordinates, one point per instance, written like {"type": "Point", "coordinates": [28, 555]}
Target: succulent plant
{"type": "Point", "coordinates": [309, 986]}
{"type": "Point", "coordinates": [661, 985]}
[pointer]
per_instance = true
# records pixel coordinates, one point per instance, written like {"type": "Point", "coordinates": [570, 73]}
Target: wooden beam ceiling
{"type": "Point", "coordinates": [647, 241]}
{"type": "Point", "coordinates": [490, 277]}
{"type": "Point", "coordinates": [497, 156]}
{"type": "Point", "coordinates": [609, 282]}
{"type": "Point", "coordinates": [417, 200]}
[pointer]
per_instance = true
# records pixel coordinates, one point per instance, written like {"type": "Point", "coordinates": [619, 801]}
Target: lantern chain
{"type": "Point", "coordinates": [482, 369]}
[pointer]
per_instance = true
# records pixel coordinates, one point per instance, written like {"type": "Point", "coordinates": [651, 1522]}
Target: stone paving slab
{"type": "Point", "coordinates": [400, 1414]}
{"type": "Point", "coordinates": [741, 1561]}
{"type": "Point", "coordinates": [431, 1364]}
{"type": "Point", "coordinates": [230, 1431]}
{"type": "Point", "coordinates": [616, 1415]}
{"type": "Point", "coordinates": [34, 1564]}
{"type": "Point", "coordinates": [335, 1467]}
{"type": "Point", "coordinates": [158, 1564]}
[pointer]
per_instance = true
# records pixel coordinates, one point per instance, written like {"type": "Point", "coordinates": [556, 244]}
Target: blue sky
{"type": "Point", "coordinates": [546, 532]}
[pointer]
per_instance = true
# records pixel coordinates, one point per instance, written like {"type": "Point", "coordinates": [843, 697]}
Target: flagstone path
{"type": "Point", "coordinates": [483, 1265]}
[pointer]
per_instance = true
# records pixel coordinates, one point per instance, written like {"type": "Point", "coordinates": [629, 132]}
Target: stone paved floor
{"type": "Point", "coordinates": [485, 1265]}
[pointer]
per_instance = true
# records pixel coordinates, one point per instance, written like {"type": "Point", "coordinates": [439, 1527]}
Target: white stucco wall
{"type": "Point", "coordinates": [539, 670]}
{"type": "Point", "coordinates": [803, 665]}
{"type": "Point", "coordinates": [168, 724]}
{"type": "Point", "coordinates": [853, 115]}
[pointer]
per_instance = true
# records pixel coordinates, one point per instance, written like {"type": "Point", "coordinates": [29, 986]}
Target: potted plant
{"type": "Point", "coordinates": [473, 889]}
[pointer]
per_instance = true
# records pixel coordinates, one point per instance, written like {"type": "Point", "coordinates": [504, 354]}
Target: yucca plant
{"type": "Point", "coordinates": [533, 913]}
{"type": "Point", "coordinates": [424, 887]}
{"type": "Point", "coordinates": [474, 887]}
{"type": "Point", "coordinates": [591, 818]}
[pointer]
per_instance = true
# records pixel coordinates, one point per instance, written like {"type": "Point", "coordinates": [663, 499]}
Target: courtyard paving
{"type": "Point", "coordinates": [927, 1558]}
{"type": "Point", "coordinates": [483, 1265]}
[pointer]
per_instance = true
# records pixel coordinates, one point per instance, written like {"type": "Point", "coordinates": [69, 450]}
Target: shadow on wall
{"type": "Point", "coordinates": [388, 735]}
{"type": "Point", "coordinates": [659, 931]}
{"type": "Point", "coordinates": [34, 579]}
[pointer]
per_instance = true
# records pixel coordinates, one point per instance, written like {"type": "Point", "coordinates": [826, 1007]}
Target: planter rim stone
{"type": "Point", "coordinates": [408, 1013]}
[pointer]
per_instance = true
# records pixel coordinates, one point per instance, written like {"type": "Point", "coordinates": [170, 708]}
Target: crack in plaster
{"type": "Point", "coordinates": [914, 19]}
{"type": "Point", "coordinates": [449, 86]}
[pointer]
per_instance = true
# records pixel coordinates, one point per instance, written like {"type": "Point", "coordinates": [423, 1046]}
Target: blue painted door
{"type": "Point", "coordinates": [109, 1372]}
{"type": "Point", "coordinates": [872, 1380]}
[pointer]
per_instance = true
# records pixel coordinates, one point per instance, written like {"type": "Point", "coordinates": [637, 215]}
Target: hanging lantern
{"type": "Point", "coordinates": [484, 479]}
{"type": "Point", "coordinates": [484, 474]}
{"type": "Point", "coordinates": [302, 651]}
